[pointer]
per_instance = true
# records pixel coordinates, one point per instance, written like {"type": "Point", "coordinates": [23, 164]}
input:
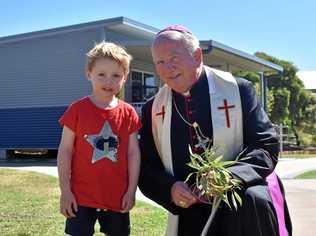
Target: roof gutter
{"type": "Point", "coordinates": [214, 44]}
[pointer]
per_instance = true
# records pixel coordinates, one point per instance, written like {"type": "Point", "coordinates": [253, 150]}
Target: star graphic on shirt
{"type": "Point", "coordinates": [104, 144]}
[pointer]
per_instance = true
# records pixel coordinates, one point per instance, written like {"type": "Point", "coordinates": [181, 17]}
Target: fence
{"type": "Point", "coordinates": [286, 137]}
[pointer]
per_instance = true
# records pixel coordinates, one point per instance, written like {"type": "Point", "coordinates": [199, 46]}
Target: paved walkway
{"type": "Point", "coordinates": [300, 194]}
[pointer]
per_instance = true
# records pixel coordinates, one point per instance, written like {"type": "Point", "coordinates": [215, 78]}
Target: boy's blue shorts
{"type": "Point", "coordinates": [111, 222]}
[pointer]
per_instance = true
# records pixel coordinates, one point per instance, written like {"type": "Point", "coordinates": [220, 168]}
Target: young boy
{"type": "Point", "coordinates": [98, 156]}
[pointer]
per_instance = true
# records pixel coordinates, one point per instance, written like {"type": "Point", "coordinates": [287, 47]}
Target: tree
{"type": "Point", "coordinates": [251, 76]}
{"type": "Point", "coordinates": [279, 111]}
{"type": "Point", "coordinates": [291, 103]}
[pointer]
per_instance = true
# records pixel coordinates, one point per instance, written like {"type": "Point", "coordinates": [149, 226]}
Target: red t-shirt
{"type": "Point", "coordinates": [99, 171]}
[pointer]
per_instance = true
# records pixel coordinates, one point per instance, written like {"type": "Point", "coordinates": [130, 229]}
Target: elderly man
{"type": "Point", "coordinates": [199, 105]}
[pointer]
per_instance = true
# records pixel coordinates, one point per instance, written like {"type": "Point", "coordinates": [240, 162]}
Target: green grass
{"type": "Point", "coordinates": [29, 205]}
{"type": "Point", "coordinates": [307, 175]}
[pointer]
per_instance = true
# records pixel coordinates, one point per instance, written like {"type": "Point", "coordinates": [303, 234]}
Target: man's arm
{"type": "Point", "coordinates": [154, 182]}
{"type": "Point", "coordinates": [260, 140]}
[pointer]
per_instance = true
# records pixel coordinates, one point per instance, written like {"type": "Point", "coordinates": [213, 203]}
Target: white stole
{"type": "Point", "coordinates": [229, 140]}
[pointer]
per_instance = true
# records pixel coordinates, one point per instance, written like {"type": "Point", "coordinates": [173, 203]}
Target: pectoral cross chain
{"type": "Point", "coordinates": [203, 141]}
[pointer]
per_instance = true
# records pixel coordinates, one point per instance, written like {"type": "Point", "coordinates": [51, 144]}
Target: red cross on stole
{"type": "Point", "coordinates": [226, 107]}
{"type": "Point", "coordinates": [161, 113]}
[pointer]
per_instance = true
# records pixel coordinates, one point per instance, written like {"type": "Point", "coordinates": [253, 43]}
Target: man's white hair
{"type": "Point", "coordinates": [190, 42]}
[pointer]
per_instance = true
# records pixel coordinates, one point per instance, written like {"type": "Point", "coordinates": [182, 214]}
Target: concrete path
{"type": "Point", "coordinates": [300, 194]}
{"type": "Point", "coordinates": [301, 199]}
{"type": "Point", "coordinates": [288, 168]}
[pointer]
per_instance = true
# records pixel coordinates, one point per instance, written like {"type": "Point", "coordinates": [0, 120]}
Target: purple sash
{"type": "Point", "coordinates": [278, 201]}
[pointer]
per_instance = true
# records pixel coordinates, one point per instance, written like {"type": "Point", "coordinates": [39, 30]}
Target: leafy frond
{"type": "Point", "coordinates": [213, 179]}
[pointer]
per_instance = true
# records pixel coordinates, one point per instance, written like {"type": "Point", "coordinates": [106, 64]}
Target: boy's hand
{"type": "Point", "coordinates": [128, 201]}
{"type": "Point", "coordinates": [68, 204]}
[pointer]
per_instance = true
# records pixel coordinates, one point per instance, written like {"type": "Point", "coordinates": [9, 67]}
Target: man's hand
{"type": "Point", "coordinates": [181, 195]}
{"type": "Point", "coordinates": [128, 201]}
{"type": "Point", "coordinates": [68, 204]}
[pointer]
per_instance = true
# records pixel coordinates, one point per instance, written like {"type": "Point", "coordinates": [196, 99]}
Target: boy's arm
{"type": "Point", "coordinates": [133, 172]}
{"type": "Point", "coordinates": [64, 157]}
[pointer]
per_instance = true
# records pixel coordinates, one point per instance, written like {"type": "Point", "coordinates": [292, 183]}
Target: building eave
{"type": "Point", "coordinates": [117, 24]}
{"type": "Point", "coordinates": [239, 58]}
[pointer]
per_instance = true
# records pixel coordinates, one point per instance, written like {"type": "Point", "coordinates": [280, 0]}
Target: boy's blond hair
{"type": "Point", "coordinates": [111, 51]}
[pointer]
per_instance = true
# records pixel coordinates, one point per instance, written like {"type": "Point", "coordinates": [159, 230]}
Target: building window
{"type": "Point", "coordinates": [137, 83]}
{"type": "Point", "coordinates": [144, 86]}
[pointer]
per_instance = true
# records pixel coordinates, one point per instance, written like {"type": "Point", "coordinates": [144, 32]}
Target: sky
{"type": "Point", "coordinates": [281, 28]}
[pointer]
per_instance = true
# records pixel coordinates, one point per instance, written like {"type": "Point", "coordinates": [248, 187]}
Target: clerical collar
{"type": "Point", "coordinates": [200, 85]}
{"type": "Point", "coordinates": [186, 94]}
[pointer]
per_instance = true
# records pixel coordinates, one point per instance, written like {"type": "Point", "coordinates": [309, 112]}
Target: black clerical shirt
{"type": "Point", "coordinates": [193, 108]}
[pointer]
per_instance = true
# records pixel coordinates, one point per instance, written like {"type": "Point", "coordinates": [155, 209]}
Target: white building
{"type": "Point", "coordinates": [309, 79]}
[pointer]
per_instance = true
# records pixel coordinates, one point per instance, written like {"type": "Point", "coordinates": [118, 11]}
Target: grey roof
{"type": "Point", "coordinates": [238, 59]}
{"type": "Point", "coordinates": [215, 53]}
{"type": "Point", "coordinates": [119, 24]}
